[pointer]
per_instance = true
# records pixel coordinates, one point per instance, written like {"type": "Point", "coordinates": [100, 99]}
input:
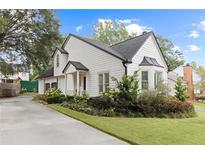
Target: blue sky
{"type": "Point", "coordinates": [186, 28]}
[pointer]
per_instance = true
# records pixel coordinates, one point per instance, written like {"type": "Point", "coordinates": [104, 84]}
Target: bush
{"type": "Point", "coordinates": [55, 99]}
{"type": "Point", "coordinates": [111, 94]}
{"type": "Point", "coordinates": [100, 103]}
{"type": "Point", "coordinates": [180, 90]}
{"type": "Point", "coordinates": [81, 98]}
{"type": "Point", "coordinates": [150, 104]}
{"type": "Point", "coordinates": [128, 87]}
{"type": "Point", "coordinates": [22, 91]}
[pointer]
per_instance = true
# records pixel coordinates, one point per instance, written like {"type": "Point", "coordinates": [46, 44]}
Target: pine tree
{"type": "Point", "coordinates": [180, 90]}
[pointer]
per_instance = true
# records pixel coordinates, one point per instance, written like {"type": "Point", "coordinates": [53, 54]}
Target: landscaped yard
{"type": "Point", "coordinates": [147, 130]}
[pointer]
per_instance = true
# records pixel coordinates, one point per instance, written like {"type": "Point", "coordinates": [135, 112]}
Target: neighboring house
{"type": "Point", "coordinates": [82, 64]}
{"type": "Point", "coordinates": [21, 74]}
{"type": "Point", "coordinates": [189, 76]}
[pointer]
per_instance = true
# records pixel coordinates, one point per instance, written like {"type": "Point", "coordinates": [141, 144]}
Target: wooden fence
{"type": "Point", "coordinates": [9, 89]}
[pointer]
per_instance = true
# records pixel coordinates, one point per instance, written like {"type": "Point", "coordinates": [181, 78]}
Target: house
{"type": "Point", "coordinates": [21, 73]}
{"type": "Point", "coordinates": [82, 64]}
{"type": "Point", "coordinates": [190, 77]}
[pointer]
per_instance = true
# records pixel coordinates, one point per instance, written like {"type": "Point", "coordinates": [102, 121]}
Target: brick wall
{"type": "Point", "coordinates": [188, 77]}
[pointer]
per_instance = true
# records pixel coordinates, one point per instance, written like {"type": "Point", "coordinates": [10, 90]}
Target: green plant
{"type": "Point", "coordinates": [151, 104]}
{"type": "Point", "coordinates": [128, 87]}
{"type": "Point", "coordinates": [181, 90]}
{"type": "Point", "coordinates": [81, 98]}
{"type": "Point", "coordinates": [23, 90]}
{"type": "Point", "coordinates": [53, 92]}
{"type": "Point", "coordinates": [100, 103]}
{"type": "Point", "coordinates": [111, 94]}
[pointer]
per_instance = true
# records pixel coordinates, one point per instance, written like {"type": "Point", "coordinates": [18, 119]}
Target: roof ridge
{"type": "Point", "coordinates": [150, 32]}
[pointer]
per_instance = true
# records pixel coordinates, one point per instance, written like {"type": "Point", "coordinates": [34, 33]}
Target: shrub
{"type": "Point", "coordinates": [53, 95]}
{"type": "Point", "coordinates": [100, 102]}
{"type": "Point", "coordinates": [150, 104]}
{"type": "Point", "coordinates": [180, 90]}
{"type": "Point", "coordinates": [128, 87]}
{"type": "Point", "coordinates": [111, 94]}
{"type": "Point", "coordinates": [22, 91]}
{"type": "Point", "coordinates": [81, 98]}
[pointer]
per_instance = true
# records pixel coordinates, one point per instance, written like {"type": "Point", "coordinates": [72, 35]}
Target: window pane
{"type": "Point", "coordinates": [54, 85]}
{"type": "Point", "coordinates": [100, 82]}
{"type": "Point", "coordinates": [145, 80]}
{"type": "Point", "coordinates": [106, 78]}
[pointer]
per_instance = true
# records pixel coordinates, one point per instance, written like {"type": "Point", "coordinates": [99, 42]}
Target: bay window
{"type": "Point", "coordinates": [145, 83]}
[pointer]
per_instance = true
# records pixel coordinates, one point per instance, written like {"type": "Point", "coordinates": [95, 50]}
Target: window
{"type": "Point", "coordinates": [157, 78]}
{"type": "Point", "coordinates": [106, 83]}
{"type": "Point", "coordinates": [47, 86]}
{"type": "Point", "coordinates": [57, 60]}
{"type": "Point", "coordinates": [100, 80]}
{"type": "Point", "coordinates": [54, 85]}
{"type": "Point", "coordinates": [145, 80]}
{"type": "Point", "coordinates": [84, 83]}
{"type": "Point", "coordinates": [104, 80]}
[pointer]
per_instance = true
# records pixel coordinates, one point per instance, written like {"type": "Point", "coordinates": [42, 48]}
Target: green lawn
{"type": "Point", "coordinates": [147, 130]}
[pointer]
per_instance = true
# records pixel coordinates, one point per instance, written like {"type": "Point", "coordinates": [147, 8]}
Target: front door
{"type": "Point", "coordinates": [84, 83]}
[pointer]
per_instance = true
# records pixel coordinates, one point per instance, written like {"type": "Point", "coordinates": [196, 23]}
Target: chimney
{"type": "Point", "coordinates": [188, 77]}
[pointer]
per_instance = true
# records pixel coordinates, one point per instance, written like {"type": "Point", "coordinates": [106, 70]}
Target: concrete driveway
{"type": "Point", "coordinates": [23, 121]}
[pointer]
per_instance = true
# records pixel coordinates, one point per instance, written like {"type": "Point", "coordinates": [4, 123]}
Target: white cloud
{"type": "Point", "coordinates": [192, 47]}
{"type": "Point", "coordinates": [194, 34]}
{"type": "Point", "coordinates": [79, 28]}
{"type": "Point", "coordinates": [126, 21]}
{"type": "Point", "coordinates": [201, 25]}
{"type": "Point", "coordinates": [136, 28]}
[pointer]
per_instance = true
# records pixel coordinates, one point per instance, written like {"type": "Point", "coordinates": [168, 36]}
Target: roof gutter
{"type": "Point", "coordinates": [124, 63]}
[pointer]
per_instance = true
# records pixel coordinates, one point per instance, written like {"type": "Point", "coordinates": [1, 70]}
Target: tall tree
{"type": "Point", "coordinates": [111, 32]}
{"type": "Point", "coordinates": [29, 34]}
{"type": "Point", "coordinates": [200, 70]}
{"type": "Point", "coordinates": [172, 55]}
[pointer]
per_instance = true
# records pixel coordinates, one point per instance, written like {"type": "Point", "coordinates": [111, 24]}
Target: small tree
{"type": "Point", "coordinates": [180, 90]}
{"type": "Point", "coordinates": [128, 87]}
{"type": "Point", "coordinates": [6, 69]}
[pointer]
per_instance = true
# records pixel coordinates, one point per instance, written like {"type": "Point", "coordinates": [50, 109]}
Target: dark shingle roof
{"type": "Point", "coordinates": [47, 73]}
{"type": "Point", "coordinates": [148, 61]}
{"type": "Point", "coordinates": [77, 65]}
{"type": "Point", "coordinates": [129, 48]}
{"type": "Point", "coordinates": [63, 51]}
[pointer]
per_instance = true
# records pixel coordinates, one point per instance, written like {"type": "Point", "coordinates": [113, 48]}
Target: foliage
{"type": "Point", "coordinates": [200, 70]}
{"type": "Point", "coordinates": [100, 103]}
{"type": "Point", "coordinates": [180, 90]}
{"type": "Point", "coordinates": [200, 97]}
{"type": "Point", "coordinates": [81, 98]}
{"type": "Point", "coordinates": [22, 91]}
{"type": "Point", "coordinates": [173, 56]}
{"type": "Point", "coordinates": [53, 95]}
{"type": "Point", "coordinates": [128, 87]}
{"type": "Point", "coordinates": [29, 36]}
{"type": "Point", "coordinates": [163, 88]}
{"type": "Point", "coordinates": [151, 104]}
{"type": "Point", "coordinates": [110, 93]}
{"type": "Point", "coordinates": [6, 69]}
{"type": "Point", "coordinates": [110, 32]}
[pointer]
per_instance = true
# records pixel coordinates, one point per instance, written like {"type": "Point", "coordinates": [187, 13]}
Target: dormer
{"type": "Point", "coordinates": [60, 58]}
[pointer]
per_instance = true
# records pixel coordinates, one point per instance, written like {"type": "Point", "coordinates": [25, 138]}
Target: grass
{"type": "Point", "coordinates": [147, 130]}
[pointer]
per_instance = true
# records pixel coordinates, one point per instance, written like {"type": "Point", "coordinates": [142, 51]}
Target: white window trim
{"type": "Point", "coordinates": [103, 72]}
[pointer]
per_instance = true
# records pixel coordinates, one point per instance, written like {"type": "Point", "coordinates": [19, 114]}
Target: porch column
{"type": "Point", "coordinates": [78, 83]}
{"type": "Point", "coordinates": [65, 77]}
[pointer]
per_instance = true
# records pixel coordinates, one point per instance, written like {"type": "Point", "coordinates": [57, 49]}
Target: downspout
{"type": "Point", "coordinates": [124, 64]}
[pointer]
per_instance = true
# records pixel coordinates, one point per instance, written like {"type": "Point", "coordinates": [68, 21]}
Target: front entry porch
{"type": "Point", "coordinates": [75, 78]}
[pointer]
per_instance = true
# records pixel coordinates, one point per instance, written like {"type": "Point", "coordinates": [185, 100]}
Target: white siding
{"type": "Point", "coordinates": [63, 58]}
{"type": "Point", "coordinates": [149, 49]}
{"type": "Point", "coordinates": [61, 83]}
{"type": "Point", "coordinates": [40, 86]}
{"type": "Point", "coordinates": [96, 61]}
